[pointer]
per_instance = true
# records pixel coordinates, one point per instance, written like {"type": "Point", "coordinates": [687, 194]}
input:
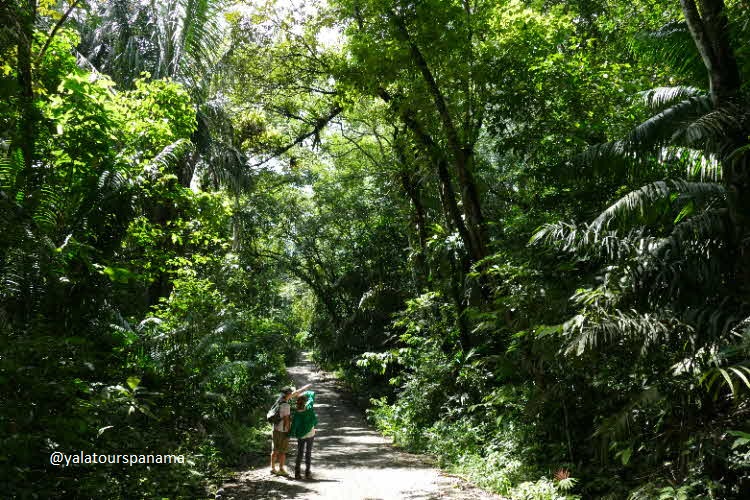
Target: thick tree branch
{"type": "Point", "coordinates": [698, 32]}
{"type": "Point", "coordinates": [318, 127]}
{"type": "Point", "coordinates": [469, 236]}
{"type": "Point", "coordinates": [437, 95]}
{"type": "Point", "coordinates": [453, 215]}
{"type": "Point", "coordinates": [462, 153]}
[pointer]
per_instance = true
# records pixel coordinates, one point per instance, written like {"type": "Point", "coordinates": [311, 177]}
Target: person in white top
{"type": "Point", "coordinates": [281, 430]}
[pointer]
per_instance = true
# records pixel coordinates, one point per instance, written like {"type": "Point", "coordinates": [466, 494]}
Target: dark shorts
{"type": "Point", "coordinates": [280, 441]}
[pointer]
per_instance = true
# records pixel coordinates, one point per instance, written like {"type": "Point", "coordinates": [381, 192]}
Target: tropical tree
{"type": "Point", "coordinates": [673, 302]}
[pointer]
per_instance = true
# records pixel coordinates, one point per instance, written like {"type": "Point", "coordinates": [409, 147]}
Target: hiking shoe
{"type": "Point", "coordinates": [308, 476]}
{"type": "Point", "coordinates": [274, 472]}
{"type": "Point", "coordinates": [283, 473]}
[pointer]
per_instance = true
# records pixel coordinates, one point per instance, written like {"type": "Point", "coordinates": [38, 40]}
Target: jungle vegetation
{"type": "Point", "coordinates": [518, 229]}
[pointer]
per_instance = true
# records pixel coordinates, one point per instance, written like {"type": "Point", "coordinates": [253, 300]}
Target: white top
{"type": "Point", "coordinates": [284, 410]}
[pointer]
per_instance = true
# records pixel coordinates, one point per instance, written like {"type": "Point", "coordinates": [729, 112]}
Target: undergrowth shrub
{"type": "Point", "coordinates": [496, 458]}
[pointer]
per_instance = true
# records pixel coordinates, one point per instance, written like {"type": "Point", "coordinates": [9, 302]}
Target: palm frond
{"type": "Point", "coordinates": [729, 362]}
{"type": "Point", "coordinates": [200, 35]}
{"type": "Point", "coordinates": [662, 127]}
{"type": "Point", "coordinates": [643, 199]}
{"type": "Point", "coordinates": [597, 328]}
{"type": "Point", "coordinates": [169, 158]}
{"type": "Point", "coordinates": [716, 322]}
{"type": "Point", "coordinates": [713, 127]}
{"type": "Point", "coordinates": [49, 208]}
{"type": "Point", "coordinates": [588, 241]}
{"type": "Point", "coordinates": [636, 204]}
{"type": "Point", "coordinates": [647, 140]}
{"type": "Point", "coordinates": [736, 377]}
{"type": "Point", "coordinates": [217, 339]}
{"type": "Point", "coordinates": [672, 44]}
{"type": "Point", "coordinates": [618, 423]}
{"type": "Point", "coordinates": [10, 166]}
{"type": "Point", "coordinates": [232, 171]}
{"type": "Point", "coordinates": [148, 322]}
{"type": "Point", "coordinates": [175, 38]}
{"type": "Point", "coordinates": [663, 97]}
{"type": "Point", "coordinates": [112, 180]}
{"type": "Point", "coordinates": [702, 166]}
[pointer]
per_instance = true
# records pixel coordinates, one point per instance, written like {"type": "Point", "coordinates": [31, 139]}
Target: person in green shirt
{"type": "Point", "coordinates": [304, 421]}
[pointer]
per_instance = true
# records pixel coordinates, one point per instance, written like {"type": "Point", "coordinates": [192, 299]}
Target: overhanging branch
{"type": "Point", "coordinates": [318, 126]}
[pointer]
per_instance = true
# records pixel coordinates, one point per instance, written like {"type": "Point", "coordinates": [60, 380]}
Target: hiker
{"type": "Point", "coordinates": [304, 421]}
{"type": "Point", "coordinates": [280, 436]}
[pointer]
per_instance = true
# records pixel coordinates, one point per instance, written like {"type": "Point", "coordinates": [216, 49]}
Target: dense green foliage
{"type": "Point", "coordinates": [517, 228]}
{"type": "Point", "coordinates": [129, 324]}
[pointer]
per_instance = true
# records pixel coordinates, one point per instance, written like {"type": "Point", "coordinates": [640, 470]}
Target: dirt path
{"type": "Point", "coordinates": [350, 461]}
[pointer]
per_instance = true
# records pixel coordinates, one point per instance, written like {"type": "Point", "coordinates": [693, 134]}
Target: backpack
{"type": "Point", "coordinates": [273, 416]}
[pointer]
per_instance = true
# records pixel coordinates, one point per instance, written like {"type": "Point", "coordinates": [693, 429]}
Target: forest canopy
{"type": "Point", "coordinates": [518, 230]}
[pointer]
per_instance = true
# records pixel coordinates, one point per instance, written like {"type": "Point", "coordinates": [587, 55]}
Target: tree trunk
{"type": "Point", "coordinates": [461, 152]}
{"type": "Point", "coordinates": [450, 205]}
{"type": "Point", "coordinates": [456, 287]}
{"type": "Point", "coordinates": [709, 28]}
{"type": "Point", "coordinates": [418, 221]}
{"type": "Point", "coordinates": [710, 31]}
{"type": "Point", "coordinates": [471, 203]}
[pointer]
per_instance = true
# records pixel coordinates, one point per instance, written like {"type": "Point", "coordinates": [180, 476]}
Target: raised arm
{"type": "Point", "coordinates": [300, 390]}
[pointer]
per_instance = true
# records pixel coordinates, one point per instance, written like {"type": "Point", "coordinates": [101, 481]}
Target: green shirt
{"type": "Point", "coordinates": [303, 421]}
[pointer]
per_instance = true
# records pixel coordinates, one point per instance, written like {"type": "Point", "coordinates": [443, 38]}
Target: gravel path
{"type": "Point", "coordinates": [350, 461]}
